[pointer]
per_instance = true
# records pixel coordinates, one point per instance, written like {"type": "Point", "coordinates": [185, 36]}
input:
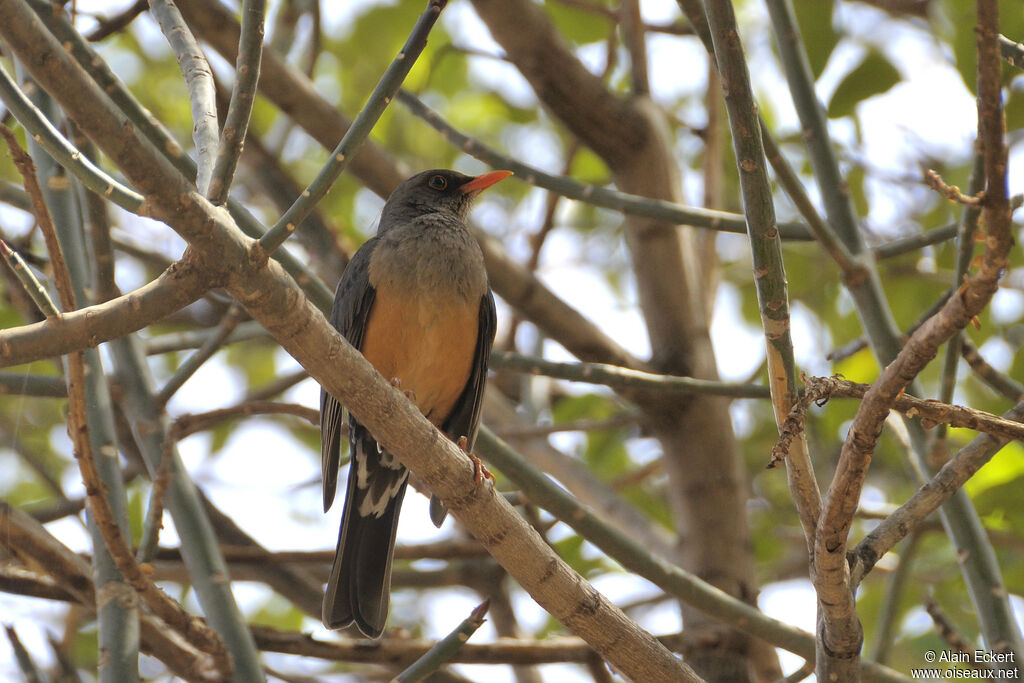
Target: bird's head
{"type": "Point", "coordinates": [436, 191]}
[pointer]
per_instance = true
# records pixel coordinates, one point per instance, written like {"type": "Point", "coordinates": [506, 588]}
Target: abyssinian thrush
{"type": "Point", "coordinates": [415, 300]}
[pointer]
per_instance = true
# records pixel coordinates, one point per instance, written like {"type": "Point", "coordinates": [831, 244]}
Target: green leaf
{"type": "Point", "coordinates": [585, 407]}
{"type": "Point", "coordinates": [587, 167]}
{"type": "Point", "coordinates": [577, 25]}
{"type": "Point", "coordinates": [278, 613]}
{"type": "Point", "coordinates": [1006, 468]}
{"type": "Point", "coordinates": [1014, 110]}
{"type": "Point", "coordinates": [855, 186]}
{"type": "Point", "coordinates": [814, 17]}
{"type": "Point", "coordinates": [137, 511]}
{"type": "Point", "coordinates": [962, 19]}
{"type": "Point", "coordinates": [256, 359]}
{"type": "Point", "coordinates": [860, 367]}
{"type": "Point", "coordinates": [873, 76]}
{"type": "Point", "coordinates": [571, 549]}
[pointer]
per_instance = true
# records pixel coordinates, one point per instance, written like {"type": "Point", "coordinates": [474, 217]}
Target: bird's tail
{"type": "Point", "coordinates": [360, 584]}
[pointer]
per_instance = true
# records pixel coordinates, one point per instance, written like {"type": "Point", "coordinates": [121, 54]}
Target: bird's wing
{"type": "Point", "coordinates": [352, 304]}
{"type": "Point", "coordinates": [465, 416]}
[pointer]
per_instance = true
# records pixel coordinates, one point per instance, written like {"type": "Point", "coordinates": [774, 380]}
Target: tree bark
{"type": "Point", "coordinates": [708, 487]}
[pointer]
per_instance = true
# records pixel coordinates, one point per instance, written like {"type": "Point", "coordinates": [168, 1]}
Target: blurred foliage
{"type": "Point", "coordinates": [873, 76]}
{"type": "Point", "coordinates": [814, 19]}
{"type": "Point", "coordinates": [483, 96]}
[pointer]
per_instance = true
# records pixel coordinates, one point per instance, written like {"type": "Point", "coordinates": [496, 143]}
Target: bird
{"type": "Point", "coordinates": [416, 301]}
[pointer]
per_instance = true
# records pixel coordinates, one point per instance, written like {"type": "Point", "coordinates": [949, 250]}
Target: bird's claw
{"type": "Point", "coordinates": [409, 393]}
{"type": "Point", "coordinates": [480, 471]}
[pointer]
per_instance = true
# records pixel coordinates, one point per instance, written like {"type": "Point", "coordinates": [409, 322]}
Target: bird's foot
{"type": "Point", "coordinates": [409, 393]}
{"type": "Point", "coordinates": [480, 471]}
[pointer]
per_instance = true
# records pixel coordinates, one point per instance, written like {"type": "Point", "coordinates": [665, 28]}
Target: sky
{"type": "Point", "coordinates": [289, 514]}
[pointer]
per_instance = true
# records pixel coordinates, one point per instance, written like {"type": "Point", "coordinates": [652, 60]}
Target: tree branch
{"type": "Point", "coordinates": [243, 96]}
{"type": "Point", "coordinates": [277, 302]}
{"type": "Point", "coordinates": [929, 497]}
{"type": "Point", "coordinates": [630, 204]}
{"type": "Point", "coordinates": [357, 133]}
{"type": "Point", "coordinates": [202, 92]}
{"type": "Point", "coordinates": [769, 271]}
{"type": "Point", "coordinates": [622, 378]}
{"type": "Point", "coordinates": [180, 285]}
{"type": "Point", "coordinates": [844, 494]}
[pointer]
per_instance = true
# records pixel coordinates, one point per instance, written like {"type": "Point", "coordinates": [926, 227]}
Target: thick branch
{"type": "Point", "coordinates": [199, 79]}
{"type": "Point", "coordinates": [293, 93]}
{"type": "Point", "coordinates": [275, 300]}
{"type": "Point", "coordinates": [844, 493]}
{"type": "Point", "coordinates": [769, 271]}
{"type": "Point", "coordinates": [180, 285]}
{"type": "Point", "coordinates": [929, 497]}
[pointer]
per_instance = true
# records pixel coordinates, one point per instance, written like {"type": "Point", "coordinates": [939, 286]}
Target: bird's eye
{"type": "Point", "coordinates": [437, 182]}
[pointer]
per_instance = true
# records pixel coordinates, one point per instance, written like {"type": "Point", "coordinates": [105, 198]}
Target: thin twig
{"type": "Point", "coordinates": [195, 361]}
{"type": "Point", "coordinates": [25, 384]}
{"type": "Point", "coordinates": [107, 27]}
{"type": "Point", "coordinates": [861, 343]}
{"type": "Point", "coordinates": [447, 647]}
{"type": "Point", "coordinates": [904, 245]}
{"type": "Point", "coordinates": [29, 669]}
{"type": "Point", "coordinates": [794, 188]}
{"type": "Point", "coordinates": [620, 377]}
{"type": "Point", "coordinates": [949, 633]}
{"type": "Point", "coordinates": [27, 169]}
{"type": "Point", "coordinates": [940, 488]}
{"type": "Point", "coordinates": [57, 146]}
{"type": "Point", "coordinates": [202, 92]}
{"type": "Point", "coordinates": [534, 431]}
{"type": "Point", "coordinates": [676, 29]}
{"type": "Point", "coordinates": [278, 386]}
{"type": "Point", "coordinates": [245, 554]}
{"type": "Point", "coordinates": [769, 273]}
{"type": "Point", "coordinates": [357, 133]}
{"type": "Point", "coordinates": [660, 210]}
{"type": "Point", "coordinates": [28, 280]}
{"type": "Point", "coordinates": [950, 192]}
{"type": "Point", "coordinates": [930, 411]}
{"type": "Point", "coordinates": [554, 649]}
{"type": "Point", "coordinates": [890, 613]}
{"type": "Point", "coordinates": [965, 250]}
{"type": "Point", "coordinates": [194, 339]}
{"type": "Point", "coordinates": [155, 511]}
{"type": "Point", "coordinates": [243, 95]}
{"type": "Point", "coordinates": [187, 424]}
{"type": "Point", "coordinates": [997, 381]}
{"type": "Point", "coordinates": [800, 674]}
{"type": "Point", "coordinates": [635, 41]}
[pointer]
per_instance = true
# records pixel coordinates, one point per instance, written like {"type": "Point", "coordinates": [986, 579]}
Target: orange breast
{"type": "Point", "coordinates": [427, 344]}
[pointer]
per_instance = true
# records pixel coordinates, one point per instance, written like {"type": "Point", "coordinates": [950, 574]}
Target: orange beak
{"type": "Point", "coordinates": [482, 182]}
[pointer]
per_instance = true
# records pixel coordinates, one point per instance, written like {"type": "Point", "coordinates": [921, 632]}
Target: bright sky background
{"type": "Point", "coordinates": [274, 493]}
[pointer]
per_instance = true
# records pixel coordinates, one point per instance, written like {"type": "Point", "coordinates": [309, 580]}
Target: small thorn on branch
{"type": "Point", "coordinates": [950, 192]}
